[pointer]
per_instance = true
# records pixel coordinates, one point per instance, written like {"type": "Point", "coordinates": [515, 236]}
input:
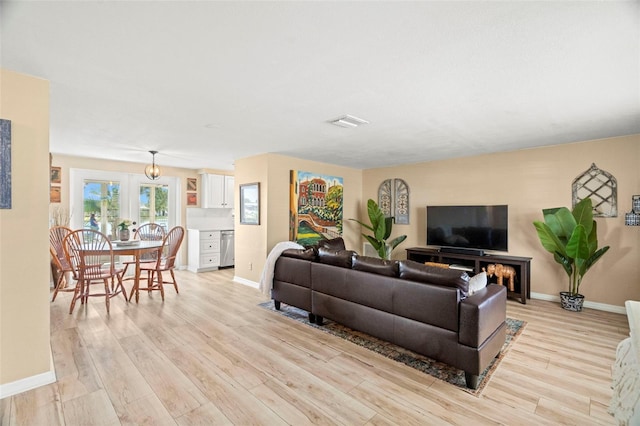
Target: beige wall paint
{"type": "Point", "coordinates": [529, 181]}
{"type": "Point", "coordinates": [24, 246]}
{"type": "Point", "coordinates": [253, 243]}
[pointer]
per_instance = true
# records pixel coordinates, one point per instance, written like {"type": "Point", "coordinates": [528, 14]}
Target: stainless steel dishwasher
{"type": "Point", "coordinates": [226, 248]}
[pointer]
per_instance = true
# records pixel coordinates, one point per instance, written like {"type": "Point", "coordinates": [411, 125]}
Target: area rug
{"type": "Point", "coordinates": [422, 363]}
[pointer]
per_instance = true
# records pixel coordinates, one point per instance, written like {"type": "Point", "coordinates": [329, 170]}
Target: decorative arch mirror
{"type": "Point", "coordinates": [393, 199]}
{"type": "Point", "coordinates": [601, 186]}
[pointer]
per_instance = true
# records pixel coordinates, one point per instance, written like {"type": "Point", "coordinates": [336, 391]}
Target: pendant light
{"type": "Point", "coordinates": [152, 171]}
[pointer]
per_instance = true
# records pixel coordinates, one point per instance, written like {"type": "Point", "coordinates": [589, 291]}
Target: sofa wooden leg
{"type": "Point", "coordinates": [312, 317]}
{"type": "Point", "coordinates": [276, 304]}
{"type": "Point", "coordinates": [471, 380]}
{"type": "Point", "coordinates": [319, 319]}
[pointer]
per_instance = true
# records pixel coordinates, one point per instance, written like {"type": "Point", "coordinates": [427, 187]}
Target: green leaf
{"type": "Point", "coordinates": [566, 262]}
{"type": "Point", "coordinates": [578, 245]}
{"type": "Point", "coordinates": [397, 240]}
{"type": "Point", "coordinates": [375, 243]}
{"type": "Point", "coordinates": [561, 222]}
{"type": "Point", "coordinates": [588, 263]}
{"type": "Point", "coordinates": [549, 240]}
{"type": "Point", "coordinates": [363, 224]}
{"type": "Point", "coordinates": [583, 214]}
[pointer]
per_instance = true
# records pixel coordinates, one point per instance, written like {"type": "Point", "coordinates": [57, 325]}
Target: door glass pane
{"type": "Point", "coordinates": [101, 201]}
{"type": "Point", "coordinates": [154, 205]}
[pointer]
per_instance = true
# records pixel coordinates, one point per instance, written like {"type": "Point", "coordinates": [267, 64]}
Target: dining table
{"type": "Point", "coordinates": [137, 249]}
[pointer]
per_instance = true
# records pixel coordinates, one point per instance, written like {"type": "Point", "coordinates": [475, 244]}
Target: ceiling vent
{"type": "Point", "coordinates": [348, 121]}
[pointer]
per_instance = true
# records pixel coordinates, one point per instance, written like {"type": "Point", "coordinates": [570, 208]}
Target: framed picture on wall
{"type": "Point", "coordinates": [192, 184]}
{"type": "Point", "coordinates": [54, 194]}
{"type": "Point", "coordinates": [56, 175]}
{"type": "Point", "coordinates": [192, 199]}
{"type": "Point", "coordinates": [250, 204]}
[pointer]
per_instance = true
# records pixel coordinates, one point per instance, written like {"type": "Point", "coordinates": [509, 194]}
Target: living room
{"type": "Point", "coordinates": [528, 180]}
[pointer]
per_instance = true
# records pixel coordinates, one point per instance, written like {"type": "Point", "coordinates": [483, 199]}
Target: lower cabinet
{"type": "Point", "coordinates": [204, 250]}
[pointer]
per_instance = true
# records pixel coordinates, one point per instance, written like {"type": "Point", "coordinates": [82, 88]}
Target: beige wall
{"type": "Point", "coordinates": [253, 243]}
{"type": "Point", "coordinates": [529, 181]}
{"type": "Point", "coordinates": [24, 246]}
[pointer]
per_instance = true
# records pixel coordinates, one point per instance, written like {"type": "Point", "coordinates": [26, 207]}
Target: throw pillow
{"type": "Point", "coordinates": [477, 282]}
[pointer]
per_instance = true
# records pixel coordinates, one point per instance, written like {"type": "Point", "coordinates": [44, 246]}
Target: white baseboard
{"type": "Point", "coordinates": [245, 281]}
{"type": "Point", "coordinates": [593, 305]}
{"type": "Point", "coordinates": [28, 383]}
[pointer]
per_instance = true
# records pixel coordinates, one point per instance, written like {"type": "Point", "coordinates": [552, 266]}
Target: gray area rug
{"type": "Point", "coordinates": [422, 363]}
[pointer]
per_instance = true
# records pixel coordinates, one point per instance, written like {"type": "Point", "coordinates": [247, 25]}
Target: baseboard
{"type": "Point", "coordinates": [592, 305]}
{"type": "Point", "coordinates": [28, 383]}
{"type": "Point", "coordinates": [245, 281]}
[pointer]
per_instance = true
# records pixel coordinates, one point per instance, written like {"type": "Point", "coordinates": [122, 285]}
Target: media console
{"type": "Point", "coordinates": [474, 263]}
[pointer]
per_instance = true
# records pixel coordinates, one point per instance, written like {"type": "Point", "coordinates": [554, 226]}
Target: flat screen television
{"type": "Point", "coordinates": [468, 227]}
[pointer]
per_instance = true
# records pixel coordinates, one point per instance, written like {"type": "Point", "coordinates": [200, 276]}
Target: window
{"type": "Point", "coordinates": [101, 205]}
{"type": "Point", "coordinates": [112, 196]}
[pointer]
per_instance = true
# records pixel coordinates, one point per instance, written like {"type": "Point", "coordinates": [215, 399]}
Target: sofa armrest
{"type": "Point", "coordinates": [482, 314]}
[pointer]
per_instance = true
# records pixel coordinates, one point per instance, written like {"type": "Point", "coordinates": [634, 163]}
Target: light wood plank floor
{"type": "Point", "coordinates": [211, 356]}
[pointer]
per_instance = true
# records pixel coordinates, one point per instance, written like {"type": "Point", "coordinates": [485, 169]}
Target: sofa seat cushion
{"type": "Point", "coordinates": [414, 271]}
{"type": "Point", "coordinates": [375, 265]}
{"type": "Point", "coordinates": [341, 258]}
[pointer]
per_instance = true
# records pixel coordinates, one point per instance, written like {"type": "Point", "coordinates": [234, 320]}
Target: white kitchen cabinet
{"type": "Point", "coordinates": [217, 191]}
{"type": "Point", "coordinates": [204, 250]}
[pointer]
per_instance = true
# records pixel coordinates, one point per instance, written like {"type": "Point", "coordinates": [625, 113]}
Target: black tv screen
{"type": "Point", "coordinates": [477, 227]}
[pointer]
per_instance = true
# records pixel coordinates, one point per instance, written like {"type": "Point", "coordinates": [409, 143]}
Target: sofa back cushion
{"type": "Point", "coordinates": [341, 258]}
{"type": "Point", "coordinates": [304, 254]}
{"type": "Point", "coordinates": [333, 244]}
{"type": "Point", "coordinates": [414, 271]}
{"type": "Point", "coordinates": [375, 265]}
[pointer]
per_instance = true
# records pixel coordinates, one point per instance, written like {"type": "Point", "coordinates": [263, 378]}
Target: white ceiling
{"type": "Point", "coordinates": [206, 83]}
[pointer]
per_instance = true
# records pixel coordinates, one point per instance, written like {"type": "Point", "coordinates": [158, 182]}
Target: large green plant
{"type": "Point", "coordinates": [381, 227]}
{"type": "Point", "coordinates": [571, 236]}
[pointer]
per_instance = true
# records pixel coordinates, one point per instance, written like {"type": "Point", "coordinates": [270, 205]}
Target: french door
{"type": "Point", "coordinates": [101, 200]}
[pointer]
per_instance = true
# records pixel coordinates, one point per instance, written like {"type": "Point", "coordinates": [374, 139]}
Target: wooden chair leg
{"type": "Point", "coordinates": [175, 283]}
{"type": "Point", "coordinates": [160, 283]}
{"type": "Point", "coordinates": [58, 286]}
{"type": "Point", "coordinates": [107, 293]}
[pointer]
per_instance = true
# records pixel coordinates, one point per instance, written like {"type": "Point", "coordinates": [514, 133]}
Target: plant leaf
{"type": "Point", "coordinates": [583, 214]}
{"type": "Point", "coordinates": [578, 245]}
{"type": "Point", "coordinates": [548, 238]}
{"type": "Point", "coordinates": [397, 240]}
{"type": "Point", "coordinates": [566, 262]}
{"type": "Point", "coordinates": [363, 224]}
{"type": "Point", "coordinates": [561, 222]}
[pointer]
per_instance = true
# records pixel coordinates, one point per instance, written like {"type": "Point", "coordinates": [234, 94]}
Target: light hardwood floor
{"type": "Point", "coordinates": [211, 356]}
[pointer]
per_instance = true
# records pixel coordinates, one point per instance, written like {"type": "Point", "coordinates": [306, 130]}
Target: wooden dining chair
{"type": "Point", "coordinates": [165, 263]}
{"type": "Point", "coordinates": [90, 253]}
{"type": "Point", "coordinates": [60, 263]}
{"type": "Point", "coordinates": [146, 232]}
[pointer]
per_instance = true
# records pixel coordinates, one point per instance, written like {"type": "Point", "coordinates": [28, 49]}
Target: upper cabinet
{"type": "Point", "coordinates": [217, 191]}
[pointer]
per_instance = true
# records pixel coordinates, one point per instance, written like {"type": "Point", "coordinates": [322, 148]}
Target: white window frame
{"type": "Point", "coordinates": [129, 193]}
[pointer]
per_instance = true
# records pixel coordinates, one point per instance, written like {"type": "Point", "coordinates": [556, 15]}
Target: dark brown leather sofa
{"type": "Point", "coordinates": [422, 308]}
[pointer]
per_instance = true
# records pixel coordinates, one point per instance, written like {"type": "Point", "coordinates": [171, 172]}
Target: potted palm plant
{"type": "Point", "coordinates": [571, 236]}
{"type": "Point", "coordinates": [381, 227]}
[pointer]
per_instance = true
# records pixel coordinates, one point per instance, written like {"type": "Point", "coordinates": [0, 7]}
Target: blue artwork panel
{"type": "Point", "coordinates": [5, 164]}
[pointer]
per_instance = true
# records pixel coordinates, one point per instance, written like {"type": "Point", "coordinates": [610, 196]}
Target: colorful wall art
{"type": "Point", "coordinates": [315, 207]}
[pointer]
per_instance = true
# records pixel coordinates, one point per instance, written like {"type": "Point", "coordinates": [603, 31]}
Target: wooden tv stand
{"type": "Point", "coordinates": [474, 264]}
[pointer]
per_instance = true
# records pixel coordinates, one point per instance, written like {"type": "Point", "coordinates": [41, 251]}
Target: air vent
{"type": "Point", "coordinates": [348, 121]}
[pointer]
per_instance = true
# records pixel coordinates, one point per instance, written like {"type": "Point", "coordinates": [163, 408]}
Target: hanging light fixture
{"type": "Point", "coordinates": [152, 171]}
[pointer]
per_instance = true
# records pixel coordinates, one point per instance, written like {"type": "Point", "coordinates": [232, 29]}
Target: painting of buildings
{"type": "Point", "coordinates": [315, 207]}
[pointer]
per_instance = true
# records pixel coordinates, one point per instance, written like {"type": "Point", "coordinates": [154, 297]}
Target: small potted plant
{"type": "Point", "coordinates": [123, 229]}
{"type": "Point", "coordinates": [571, 236]}
{"type": "Point", "coordinates": [381, 227]}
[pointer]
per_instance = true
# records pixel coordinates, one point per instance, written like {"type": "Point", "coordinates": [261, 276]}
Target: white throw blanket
{"type": "Point", "coordinates": [266, 279]}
